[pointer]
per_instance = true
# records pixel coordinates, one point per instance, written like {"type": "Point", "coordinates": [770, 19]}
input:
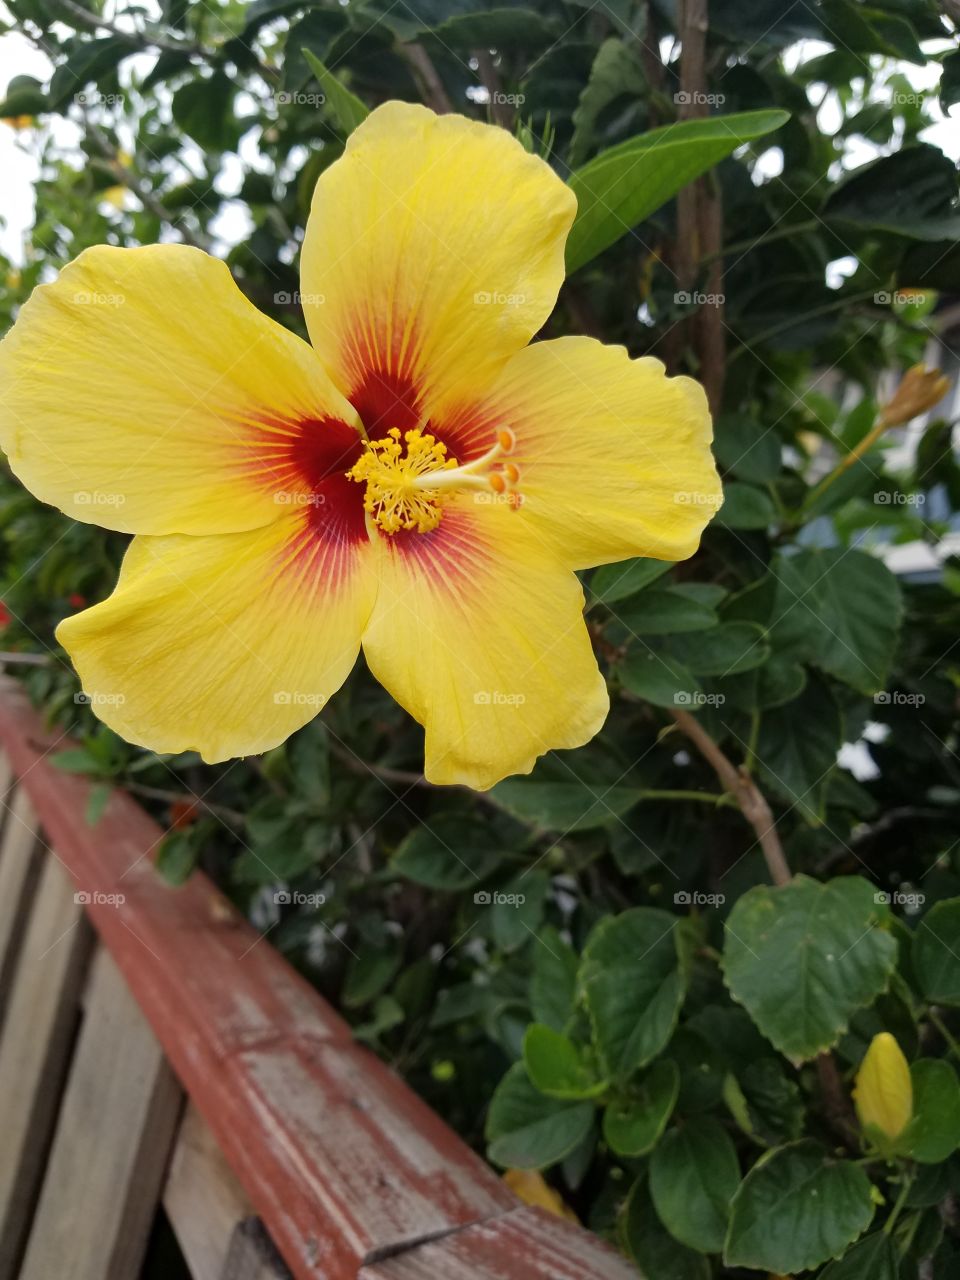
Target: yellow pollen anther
{"type": "Point", "coordinates": [409, 478]}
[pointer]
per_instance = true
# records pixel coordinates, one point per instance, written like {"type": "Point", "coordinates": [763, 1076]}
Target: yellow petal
{"type": "Point", "coordinates": [224, 644]}
{"type": "Point", "coordinates": [614, 457]}
{"type": "Point", "coordinates": [883, 1091]}
{"type": "Point", "coordinates": [433, 251]}
{"type": "Point", "coordinates": [142, 392]}
{"type": "Point", "coordinates": [531, 1187]}
{"type": "Point", "coordinates": [479, 634]}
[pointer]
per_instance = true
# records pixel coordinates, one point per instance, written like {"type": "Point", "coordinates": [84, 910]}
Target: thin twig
{"type": "Point", "coordinates": [750, 799]}
{"type": "Point", "coordinates": [427, 77]}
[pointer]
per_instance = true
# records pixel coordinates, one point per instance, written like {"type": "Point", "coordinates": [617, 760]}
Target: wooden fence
{"type": "Point", "coordinates": [154, 1049]}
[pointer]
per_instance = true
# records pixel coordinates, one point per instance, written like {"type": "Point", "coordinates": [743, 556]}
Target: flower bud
{"type": "Point", "coordinates": [919, 390]}
{"type": "Point", "coordinates": [883, 1091]}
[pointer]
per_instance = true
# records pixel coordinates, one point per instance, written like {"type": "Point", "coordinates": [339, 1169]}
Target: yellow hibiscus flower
{"type": "Point", "coordinates": [419, 480]}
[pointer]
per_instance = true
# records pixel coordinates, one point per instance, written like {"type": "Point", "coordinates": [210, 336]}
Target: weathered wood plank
{"type": "Point", "coordinates": [208, 1210]}
{"type": "Point", "coordinates": [34, 1048]}
{"type": "Point", "coordinates": [379, 1168]}
{"type": "Point", "coordinates": [112, 1143]}
{"type": "Point", "coordinates": [344, 1164]}
{"type": "Point", "coordinates": [6, 786]}
{"type": "Point", "coordinates": [524, 1244]}
{"type": "Point", "coordinates": [21, 851]}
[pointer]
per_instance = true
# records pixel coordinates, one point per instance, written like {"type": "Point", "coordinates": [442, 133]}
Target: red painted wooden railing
{"type": "Point", "coordinates": [353, 1175]}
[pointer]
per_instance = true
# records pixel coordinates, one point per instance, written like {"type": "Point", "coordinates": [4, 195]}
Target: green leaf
{"type": "Point", "coordinates": [616, 72]}
{"type": "Point", "coordinates": [203, 108]}
{"type": "Point", "coordinates": [555, 1065]}
{"type": "Point", "coordinates": [87, 60]}
{"type": "Point", "coordinates": [694, 1174]}
{"type": "Point", "coordinates": [517, 908]}
{"type": "Point", "coordinates": [797, 749]}
{"type": "Point", "coordinates": [872, 1258]}
{"type": "Point", "coordinates": [745, 507]}
{"type": "Point", "coordinates": [23, 102]}
{"type": "Point", "coordinates": [950, 80]}
{"type": "Point", "coordinates": [177, 857]}
{"type": "Point", "coordinates": [936, 953]}
{"type": "Point", "coordinates": [751, 451]}
{"type": "Point", "coordinates": [76, 760]}
{"type": "Point", "coordinates": [726, 650]}
{"type": "Point", "coordinates": [658, 1255]}
{"type": "Point", "coordinates": [613, 582]}
{"type": "Point", "coordinates": [370, 971]}
{"type": "Point", "coordinates": [633, 980]}
{"type": "Point", "coordinates": [634, 1122]}
{"type": "Point", "coordinates": [839, 609]}
{"type": "Point", "coordinates": [346, 106]}
{"type": "Point", "coordinates": [626, 184]}
{"type": "Point", "coordinates": [493, 28]}
{"type": "Point", "coordinates": [765, 1103]}
{"type": "Point", "coordinates": [658, 678]}
{"type": "Point", "coordinates": [795, 1209]}
{"type": "Point", "coordinates": [657, 613]}
{"type": "Point", "coordinates": [910, 193]}
{"type": "Point", "coordinates": [450, 852]}
{"type": "Point", "coordinates": [553, 982]}
{"type": "Point", "coordinates": [934, 1132]}
{"type": "Point", "coordinates": [97, 801]}
{"type": "Point", "coordinates": [556, 798]}
{"type": "Point", "coordinates": [527, 1130]}
{"type": "Point", "coordinates": [803, 957]}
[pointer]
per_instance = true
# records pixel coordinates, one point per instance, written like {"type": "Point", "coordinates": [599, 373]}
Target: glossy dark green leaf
{"type": "Point", "coordinates": [803, 957]}
{"type": "Point", "coordinates": [796, 1208]}
{"type": "Point", "coordinates": [527, 1130]}
{"type": "Point", "coordinates": [694, 1174]}
{"type": "Point", "coordinates": [627, 183]}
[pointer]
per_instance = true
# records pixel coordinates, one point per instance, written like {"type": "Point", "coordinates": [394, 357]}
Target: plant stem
{"type": "Point", "coordinates": [941, 1026]}
{"type": "Point", "coordinates": [900, 1202]}
{"type": "Point", "coordinates": [847, 461]}
{"type": "Point", "coordinates": [751, 801]}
